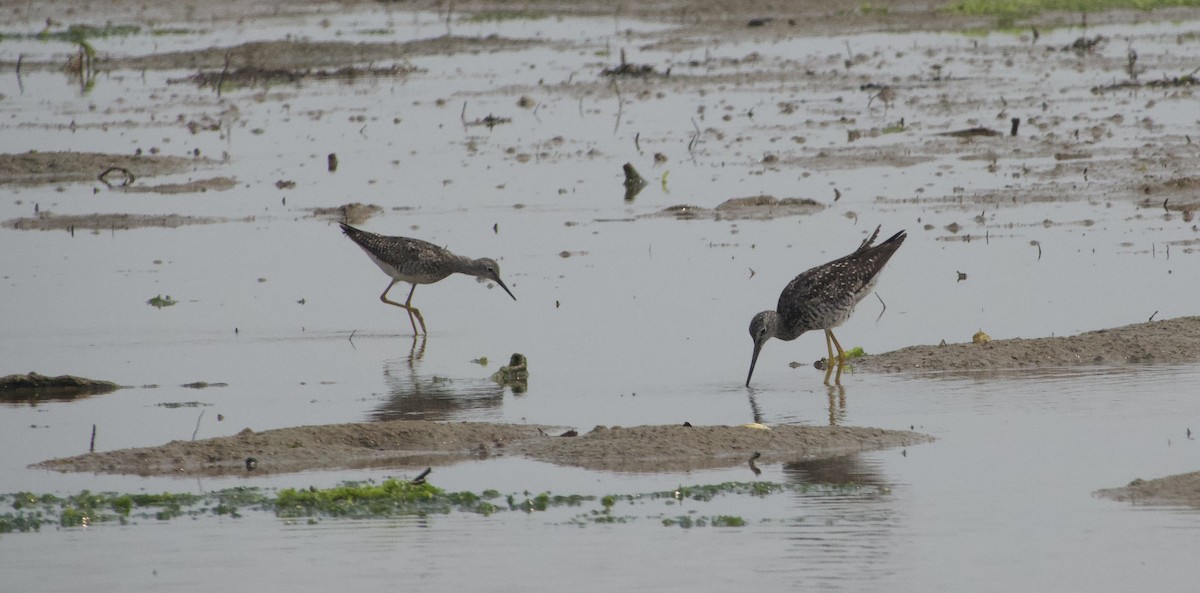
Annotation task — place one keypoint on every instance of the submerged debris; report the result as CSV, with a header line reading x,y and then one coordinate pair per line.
x,y
35,386
515,374
1187,80
971,132
1085,44
634,182
633,70
490,121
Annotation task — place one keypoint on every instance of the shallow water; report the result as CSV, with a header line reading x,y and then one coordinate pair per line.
x,y
644,322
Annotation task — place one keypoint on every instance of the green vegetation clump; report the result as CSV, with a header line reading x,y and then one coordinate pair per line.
x,y
490,16
688,522
1028,8
160,302
81,33
389,498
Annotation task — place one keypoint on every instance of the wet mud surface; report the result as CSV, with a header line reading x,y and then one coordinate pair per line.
x,y
409,443
1180,489
1166,341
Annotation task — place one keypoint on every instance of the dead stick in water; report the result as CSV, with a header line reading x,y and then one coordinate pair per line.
x,y
198,424
92,447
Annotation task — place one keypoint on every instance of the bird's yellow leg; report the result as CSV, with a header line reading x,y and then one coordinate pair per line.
x,y
407,306
417,312
829,358
841,358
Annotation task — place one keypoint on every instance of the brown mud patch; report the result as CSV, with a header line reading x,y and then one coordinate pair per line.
x,y
410,443
1168,341
40,168
48,221
190,187
1177,489
754,207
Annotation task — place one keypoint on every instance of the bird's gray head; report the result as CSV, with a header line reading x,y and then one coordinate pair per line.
x,y
488,269
762,328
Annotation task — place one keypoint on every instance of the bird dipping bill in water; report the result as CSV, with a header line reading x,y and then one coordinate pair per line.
x,y
824,298
419,262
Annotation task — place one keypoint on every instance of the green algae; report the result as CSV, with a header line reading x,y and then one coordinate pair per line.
x,y
389,498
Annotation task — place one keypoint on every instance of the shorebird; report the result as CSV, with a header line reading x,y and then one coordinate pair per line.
x,y
824,298
419,262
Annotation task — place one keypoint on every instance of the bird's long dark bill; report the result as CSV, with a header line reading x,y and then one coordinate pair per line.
x,y
501,283
753,361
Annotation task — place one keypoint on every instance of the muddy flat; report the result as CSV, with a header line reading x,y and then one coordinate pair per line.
x,y
404,443
1179,489
1167,341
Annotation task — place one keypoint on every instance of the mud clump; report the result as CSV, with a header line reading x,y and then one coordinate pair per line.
x,y
37,387
754,207
352,213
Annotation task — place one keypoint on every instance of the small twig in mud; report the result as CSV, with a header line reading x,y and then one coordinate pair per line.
x,y
198,419
884,307
463,115
20,84
92,446
620,105
224,73
351,338
695,135
126,180
1037,244
1016,123
1152,316
636,142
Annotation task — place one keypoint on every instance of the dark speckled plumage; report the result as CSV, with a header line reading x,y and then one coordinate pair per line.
x,y
824,298
419,262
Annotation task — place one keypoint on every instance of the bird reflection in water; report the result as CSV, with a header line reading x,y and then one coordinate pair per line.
x,y
412,396
837,471
837,405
